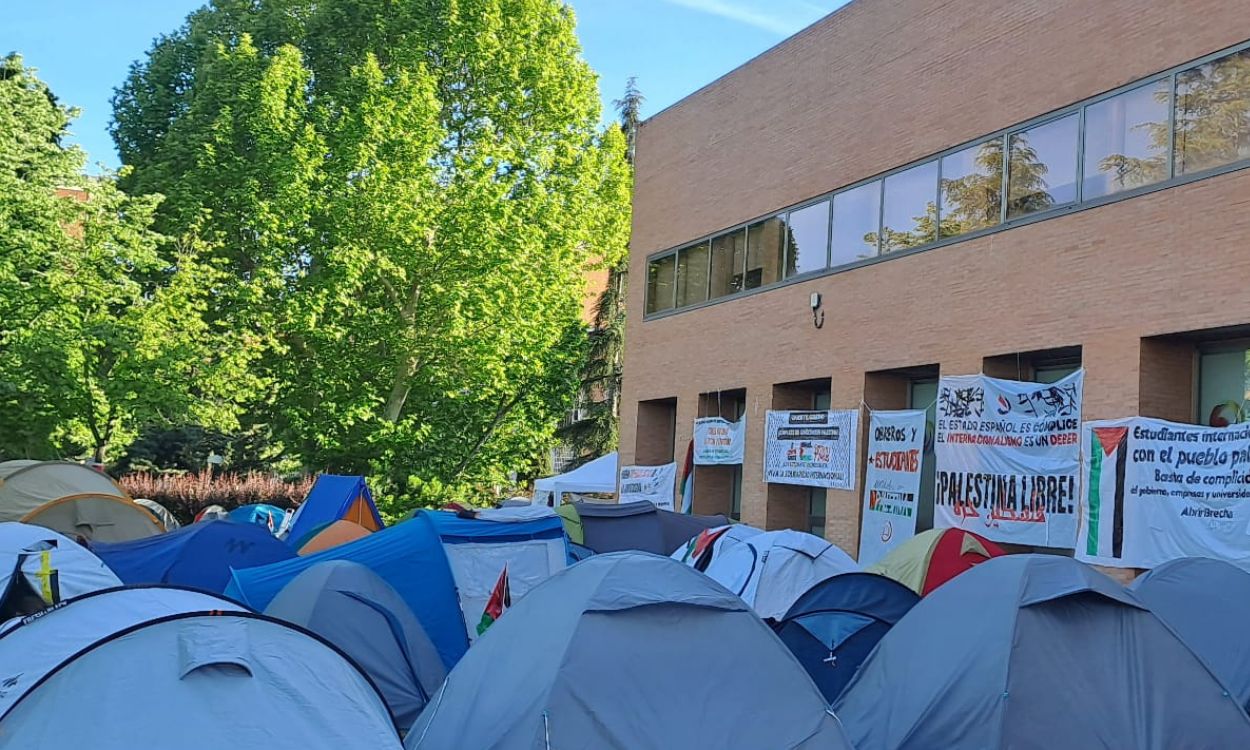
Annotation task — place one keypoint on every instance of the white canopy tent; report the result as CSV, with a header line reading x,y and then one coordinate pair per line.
x,y
598,476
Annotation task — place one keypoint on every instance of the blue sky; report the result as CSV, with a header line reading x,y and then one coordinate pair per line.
x,y
83,48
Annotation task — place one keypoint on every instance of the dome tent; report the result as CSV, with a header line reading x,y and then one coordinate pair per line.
x,y
46,568
1036,651
331,535
702,548
770,571
168,520
97,518
645,620
204,671
334,497
933,557
351,607
616,527
261,514
26,485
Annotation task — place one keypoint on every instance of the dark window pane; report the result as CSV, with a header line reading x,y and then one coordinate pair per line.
x,y
808,248
692,274
910,208
856,219
1042,167
728,251
1126,141
1213,114
660,284
765,248
972,188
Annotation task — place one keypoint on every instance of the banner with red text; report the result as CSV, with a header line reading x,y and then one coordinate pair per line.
x,y
655,484
1008,458
891,482
718,441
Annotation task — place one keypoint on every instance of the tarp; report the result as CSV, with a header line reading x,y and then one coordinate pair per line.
x,y
770,571
331,498
593,477
834,626
479,548
200,556
350,606
1207,603
933,557
409,556
572,523
615,652
1036,651
97,518
167,519
39,568
27,485
612,527
332,535
185,669
704,547
261,514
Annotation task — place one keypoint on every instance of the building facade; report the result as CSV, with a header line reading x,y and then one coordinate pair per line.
x,y
1014,187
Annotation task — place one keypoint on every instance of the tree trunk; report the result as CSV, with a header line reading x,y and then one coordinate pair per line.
x,y
401,382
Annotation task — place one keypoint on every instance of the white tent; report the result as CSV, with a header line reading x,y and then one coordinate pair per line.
x,y
770,571
598,476
35,561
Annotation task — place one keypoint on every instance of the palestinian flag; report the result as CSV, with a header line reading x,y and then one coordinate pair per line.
x,y
687,481
500,600
1107,461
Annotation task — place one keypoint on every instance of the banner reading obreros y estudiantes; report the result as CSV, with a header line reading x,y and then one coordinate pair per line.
x,y
1008,458
811,448
891,482
718,441
1156,490
651,483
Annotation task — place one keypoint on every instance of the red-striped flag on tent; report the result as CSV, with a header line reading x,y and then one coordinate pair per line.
x,y
500,600
687,481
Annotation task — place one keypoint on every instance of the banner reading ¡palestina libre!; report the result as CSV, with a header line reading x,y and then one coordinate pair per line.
x,y
1008,458
718,441
811,448
1156,490
891,482
651,483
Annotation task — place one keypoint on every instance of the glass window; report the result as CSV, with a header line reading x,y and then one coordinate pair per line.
x,y
660,284
765,250
1042,167
735,494
972,188
692,274
910,208
1126,141
923,395
1053,373
856,219
817,497
728,259
1213,114
1223,387
807,239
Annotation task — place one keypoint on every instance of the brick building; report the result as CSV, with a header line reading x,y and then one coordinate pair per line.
x,y
863,160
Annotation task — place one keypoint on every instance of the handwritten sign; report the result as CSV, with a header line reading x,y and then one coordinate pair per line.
x,y
891,482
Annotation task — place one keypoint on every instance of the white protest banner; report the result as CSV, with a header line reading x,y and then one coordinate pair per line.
x,y
1156,490
718,441
892,481
1008,457
651,483
812,448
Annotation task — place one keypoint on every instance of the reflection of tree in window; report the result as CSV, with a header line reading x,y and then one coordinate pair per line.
x,y
1126,140
1041,169
765,247
807,239
1213,114
972,188
910,208
728,251
660,284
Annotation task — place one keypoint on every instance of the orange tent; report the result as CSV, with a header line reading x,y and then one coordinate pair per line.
x,y
332,535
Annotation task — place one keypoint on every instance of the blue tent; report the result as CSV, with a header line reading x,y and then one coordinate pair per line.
x,y
261,514
834,626
200,555
351,607
334,497
408,556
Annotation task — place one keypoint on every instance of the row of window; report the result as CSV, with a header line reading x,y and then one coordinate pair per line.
x,y
1173,126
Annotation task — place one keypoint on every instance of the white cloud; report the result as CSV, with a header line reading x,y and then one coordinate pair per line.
x,y
782,18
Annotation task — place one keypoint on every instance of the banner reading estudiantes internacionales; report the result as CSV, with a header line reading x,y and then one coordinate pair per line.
x,y
1008,458
1156,491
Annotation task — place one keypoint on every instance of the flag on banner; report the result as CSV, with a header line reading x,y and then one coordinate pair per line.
x,y
1108,458
687,481
500,600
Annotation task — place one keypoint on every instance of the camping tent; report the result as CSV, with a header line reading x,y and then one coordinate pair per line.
x,y
334,497
39,568
770,571
25,486
933,557
479,548
702,548
1207,603
200,555
1036,651
348,605
593,477
615,652
834,626
205,673
261,514
332,535
409,556
613,527
98,518
169,521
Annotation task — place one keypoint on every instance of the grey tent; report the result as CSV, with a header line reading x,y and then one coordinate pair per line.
x,y
628,650
615,527
1034,652
353,608
1207,603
